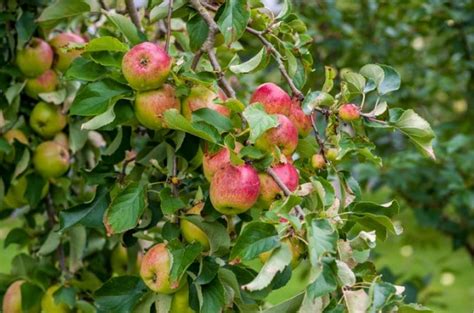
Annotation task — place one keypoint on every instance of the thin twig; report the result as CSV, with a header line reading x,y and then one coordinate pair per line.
x,y
132,11
168,25
374,119
318,138
51,222
286,191
103,5
279,59
174,169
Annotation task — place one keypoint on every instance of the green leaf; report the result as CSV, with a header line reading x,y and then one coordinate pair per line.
x,y
63,9
277,262
161,11
325,282
65,295
56,97
259,121
50,244
86,70
198,31
414,308
25,27
322,239
355,80
391,80
380,293
380,223
217,234
285,10
126,209
291,305
373,72
100,120
119,294
233,20
174,120
105,43
213,299
94,98
357,301
183,257
35,188
211,117
170,203
31,295
316,99
330,75
16,236
255,238
250,64
127,28
77,247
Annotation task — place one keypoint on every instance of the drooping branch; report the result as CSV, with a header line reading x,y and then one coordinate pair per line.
x,y
132,11
299,211
168,25
279,59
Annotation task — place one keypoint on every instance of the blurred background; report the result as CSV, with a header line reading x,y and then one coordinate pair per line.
x,y
431,44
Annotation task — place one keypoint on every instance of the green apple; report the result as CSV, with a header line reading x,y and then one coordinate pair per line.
x,y
180,301
51,159
15,196
49,305
192,232
47,120
35,58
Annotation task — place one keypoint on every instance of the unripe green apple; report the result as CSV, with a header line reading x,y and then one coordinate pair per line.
x,y
47,120
146,66
192,232
48,304
15,134
15,196
35,58
155,270
296,248
317,161
202,97
120,263
274,99
349,112
64,57
331,154
301,121
12,299
150,106
234,189
269,190
284,136
212,162
51,159
180,301
46,82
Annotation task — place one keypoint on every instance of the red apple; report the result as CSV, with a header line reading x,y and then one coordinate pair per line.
x,y
234,189
51,159
212,162
284,136
269,190
300,120
317,161
274,99
146,66
201,97
349,112
150,106
64,57
46,82
47,120
35,58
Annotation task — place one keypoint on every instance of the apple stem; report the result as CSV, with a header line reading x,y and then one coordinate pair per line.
x,y
286,191
168,25
132,11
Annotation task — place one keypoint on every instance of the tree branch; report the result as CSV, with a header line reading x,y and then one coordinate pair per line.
x,y
278,58
286,191
168,25
132,11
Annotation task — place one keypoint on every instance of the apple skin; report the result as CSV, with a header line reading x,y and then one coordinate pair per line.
x,y
49,305
51,159
269,189
46,82
34,59
234,189
317,161
349,112
15,134
212,162
15,197
12,299
47,120
180,301
201,97
284,136
296,248
331,154
274,99
192,232
150,106
62,139
301,121
146,66
64,58
155,270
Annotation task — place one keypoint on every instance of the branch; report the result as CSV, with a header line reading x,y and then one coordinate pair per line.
x,y
286,191
174,169
318,138
168,25
51,222
132,11
279,59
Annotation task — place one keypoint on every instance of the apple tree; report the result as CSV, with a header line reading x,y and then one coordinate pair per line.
x,y
153,171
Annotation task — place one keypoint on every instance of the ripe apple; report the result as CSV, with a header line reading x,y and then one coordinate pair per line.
x,y
349,112
274,99
60,43
201,97
296,248
317,161
150,106
12,299
192,232
269,189
155,270
146,66
212,162
300,120
15,196
46,82
47,120
35,58
51,159
234,189
48,304
284,136
180,301
15,134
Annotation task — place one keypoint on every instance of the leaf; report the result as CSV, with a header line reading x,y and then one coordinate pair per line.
x,y
126,27
255,238
119,294
285,10
290,305
322,239
277,262
50,244
169,203
56,97
183,257
380,293
16,236
413,308
65,295
316,99
125,210
77,247
211,117
355,80
373,72
100,120
233,20
213,299
105,43
330,75
160,11
356,301
31,295
250,64
35,188
62,9
345,274
86,70
259,121
217,234
198,31
174,120
325,282
25,27
391,80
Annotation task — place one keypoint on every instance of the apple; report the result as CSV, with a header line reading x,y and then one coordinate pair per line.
x,y
212,162
234,189
62,139
15,134
60,43
296,248
150,106
192,232
48,304
349,112
180,301
15,197
46,82
317,161
274,99
47,120
155,270
146,66
12,299
269,190
51,159
201,97
35,58
331,154
300,120
119,261
284,136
